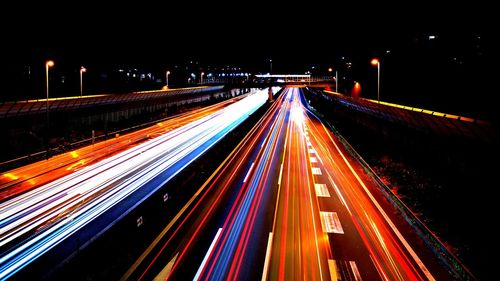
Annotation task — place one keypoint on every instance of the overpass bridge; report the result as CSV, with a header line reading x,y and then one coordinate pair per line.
x,y
424,120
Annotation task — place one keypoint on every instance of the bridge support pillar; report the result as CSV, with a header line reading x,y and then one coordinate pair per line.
x,y
270,93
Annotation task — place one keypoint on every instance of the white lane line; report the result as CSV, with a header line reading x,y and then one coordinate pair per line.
x,y
268,256
248,173
284,146
336,188
315,236
264,142
388,220
321,190
313,159
312,151
354,267
281,173
316,171
308,143
333,270
330,223
200,269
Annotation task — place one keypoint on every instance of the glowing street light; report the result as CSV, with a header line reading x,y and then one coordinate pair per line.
x,y
201,77
82,70
376,62
356,90
167,73
336,79
48,64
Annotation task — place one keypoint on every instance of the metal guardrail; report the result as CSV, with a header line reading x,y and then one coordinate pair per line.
x,y
454,265
416,109
28,107
12,163
417,118
449,259
57,150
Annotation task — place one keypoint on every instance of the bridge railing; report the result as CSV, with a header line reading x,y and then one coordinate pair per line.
x,y
17,108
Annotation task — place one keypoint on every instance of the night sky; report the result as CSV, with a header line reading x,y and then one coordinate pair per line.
x,y
160,35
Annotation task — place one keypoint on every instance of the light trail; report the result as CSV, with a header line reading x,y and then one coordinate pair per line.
x,y
34,222
31,176
291,194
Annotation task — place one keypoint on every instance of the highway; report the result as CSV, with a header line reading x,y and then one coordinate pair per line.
x,y
289,203
37,174
35,220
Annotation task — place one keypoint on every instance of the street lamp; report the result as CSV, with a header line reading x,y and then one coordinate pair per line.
x,y
167,73
376,62
201,78
336,79
49,63
271,66
82,70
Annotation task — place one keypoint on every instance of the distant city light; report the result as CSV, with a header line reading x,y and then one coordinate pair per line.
x,y
432,37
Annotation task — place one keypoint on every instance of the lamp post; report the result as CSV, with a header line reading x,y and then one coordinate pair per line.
x,y
82,70
376,62
336,81
201,78
271,66
48,64
167,73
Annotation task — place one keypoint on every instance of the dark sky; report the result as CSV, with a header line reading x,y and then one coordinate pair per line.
x,y
241,32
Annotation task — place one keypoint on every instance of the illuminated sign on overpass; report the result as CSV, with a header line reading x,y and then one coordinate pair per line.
x,y
286,77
